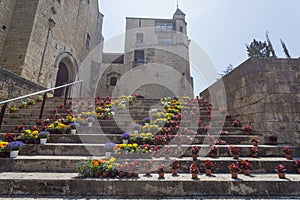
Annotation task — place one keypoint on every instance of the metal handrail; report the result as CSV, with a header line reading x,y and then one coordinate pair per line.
x,y
42,91
5,103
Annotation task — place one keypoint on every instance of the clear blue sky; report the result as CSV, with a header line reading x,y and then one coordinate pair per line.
x,y
220,27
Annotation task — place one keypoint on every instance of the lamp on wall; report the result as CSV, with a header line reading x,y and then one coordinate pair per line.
x,y
51,25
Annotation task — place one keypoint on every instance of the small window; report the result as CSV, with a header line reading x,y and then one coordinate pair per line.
x,y
164,41
139,38
140,23
113,81
181,29
87,41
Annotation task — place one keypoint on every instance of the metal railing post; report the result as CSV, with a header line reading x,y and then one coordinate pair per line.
x,y
66,95
43,105
2,113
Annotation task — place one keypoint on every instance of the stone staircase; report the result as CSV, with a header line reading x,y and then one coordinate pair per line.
x,y
50,169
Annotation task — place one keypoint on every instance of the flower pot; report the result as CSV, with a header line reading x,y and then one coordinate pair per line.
x,y
90,124
125,141
213,154
73,131
194,175
161,174
194,156
104,174
234,175
122,174
113,113
43,141
289,156
108,154
298,170
146,124
235,156
135,174
97,174
129,175
254,155
174,172
246,171
208,172
14,153
148,174
281,175
135,132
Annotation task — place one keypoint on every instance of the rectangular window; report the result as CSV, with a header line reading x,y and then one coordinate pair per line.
x,y
87,41
181,29
139,38
113,81
164,41
164,26
139,58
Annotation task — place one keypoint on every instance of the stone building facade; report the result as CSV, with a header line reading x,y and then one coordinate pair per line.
x,y
155,62
46,42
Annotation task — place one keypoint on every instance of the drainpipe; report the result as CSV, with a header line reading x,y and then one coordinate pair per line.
x,y
51,24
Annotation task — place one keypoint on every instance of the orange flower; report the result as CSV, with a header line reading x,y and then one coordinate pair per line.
x,y
96,163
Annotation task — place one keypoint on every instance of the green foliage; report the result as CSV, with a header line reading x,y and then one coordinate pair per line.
x,y
285,50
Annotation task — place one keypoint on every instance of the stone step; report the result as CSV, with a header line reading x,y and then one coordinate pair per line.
x,y
97,150
67,164
69,184
98,138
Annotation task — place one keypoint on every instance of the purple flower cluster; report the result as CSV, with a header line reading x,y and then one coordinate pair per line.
x,y
15,145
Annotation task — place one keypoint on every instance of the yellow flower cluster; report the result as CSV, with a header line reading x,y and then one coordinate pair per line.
x,y
3,145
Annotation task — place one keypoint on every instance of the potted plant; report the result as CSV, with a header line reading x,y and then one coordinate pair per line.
x,y
8,137
297,165
22,105
146,121
109,147
73,127
254,151
213,151
234,169
245,166
4,151
254,141
39,99
31,102
124,137
280,169
234,151
208,165
12,109
148,167
288,152
14,148
90,121
174,167
160,171
194,170
137,128
236,123
195,151
43,136
247,129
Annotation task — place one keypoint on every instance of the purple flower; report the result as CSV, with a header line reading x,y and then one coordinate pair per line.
x,y
125,135
146,120
109,146
15,145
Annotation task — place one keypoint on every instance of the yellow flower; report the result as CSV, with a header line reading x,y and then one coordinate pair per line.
x,y
109,167
129,145
112,160
123,146
35,133
135,145
27,131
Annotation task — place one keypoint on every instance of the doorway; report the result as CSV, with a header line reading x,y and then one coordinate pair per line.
x,y
61,79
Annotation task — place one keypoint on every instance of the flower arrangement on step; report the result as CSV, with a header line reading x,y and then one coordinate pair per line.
x,y
280,169
213,151
194,170
175,167
137,128
288,152
23,105
208,166
14,148
69,119
98,168
161,171
12,109
8,137
247,129
39,99
297,165
31,102
57,128
254,151
43,136
29,137
236,123
254,141
195,151
125,137
234,151
4,151
245,166
234,169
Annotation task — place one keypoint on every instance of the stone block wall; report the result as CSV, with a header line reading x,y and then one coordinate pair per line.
x,y
264,93
12,85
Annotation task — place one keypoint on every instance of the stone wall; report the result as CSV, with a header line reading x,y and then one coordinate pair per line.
x,y
264,93
34,50
12,85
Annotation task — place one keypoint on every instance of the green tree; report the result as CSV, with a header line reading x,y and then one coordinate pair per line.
x,y
285,50
259,49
